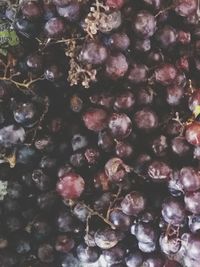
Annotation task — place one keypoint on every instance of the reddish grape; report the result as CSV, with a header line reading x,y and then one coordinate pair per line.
x,y
189,179
120,125
192,133
146,119
116,66
70,186
192,201
144,24
95,119
159,171
165,74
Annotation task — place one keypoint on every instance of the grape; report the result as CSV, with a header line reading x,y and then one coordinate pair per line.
x,y
138,73
119,125
105,141
120,220
64,243
35,62
144,24
79,141
66,222
119,41
114,255
173,211
166,36
116,169
70,186
123,150
116,4
95,119
194,223
146,119
54,27
190,179
106,238
159,146
26,114
165,74
194,100
174,95
185,8
154,261
193,247
159,171
92,156
11,134
45,253
116,66
61,2
192,202
87,254
147,247
125,101
70,12
184,37
93,53
180,146
134,259
133,203
144,232
169,246
144,97
192,133
31,10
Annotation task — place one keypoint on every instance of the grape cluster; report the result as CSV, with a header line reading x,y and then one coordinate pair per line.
x,y
100,134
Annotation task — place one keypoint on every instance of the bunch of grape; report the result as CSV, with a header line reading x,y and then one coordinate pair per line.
x,y
107,175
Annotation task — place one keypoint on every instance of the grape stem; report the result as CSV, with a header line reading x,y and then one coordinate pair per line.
x,y
114,201
95,213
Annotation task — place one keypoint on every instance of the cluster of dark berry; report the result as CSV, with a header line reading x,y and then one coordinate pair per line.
x,y
100,133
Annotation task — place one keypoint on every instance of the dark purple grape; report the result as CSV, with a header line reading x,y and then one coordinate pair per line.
x,y
26,114
124,150
92,156
105,99
95,119
106,238
144,24
35,62
55,27
46,253
116,66
133,203
87,254
189,179
70,12
166,36
134,259
138,73
173,128
144,232
115,4
159,146
154,261
142,45
147,247
144,96
114,255
64,243
165,74
66,222
155,4
31,9
125,101
194,223
53,73
192,202
61,2
146,120
155,58
173,211
169,246
79,141
120,220
196,153
70,186
106,141
81,212
93,53
159,171
42,181
116,169
102,203
120,125
180,146
185,7
119,41
174,95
